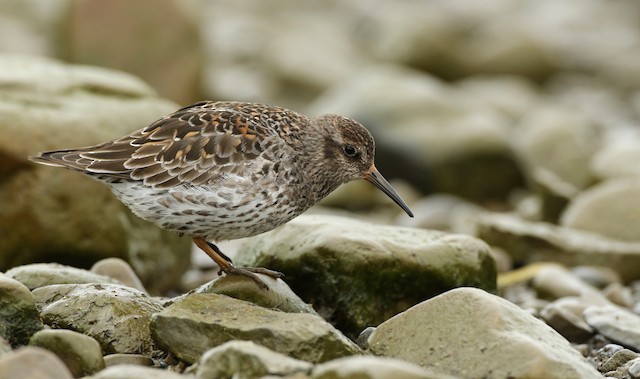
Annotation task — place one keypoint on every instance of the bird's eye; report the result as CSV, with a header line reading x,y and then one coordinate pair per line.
x,y
350,151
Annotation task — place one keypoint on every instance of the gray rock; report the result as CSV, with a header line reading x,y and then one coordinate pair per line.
x,y
616,160
127,359
358,274
119,270
89,38
619,294
19,318
597,276
528,241
118,317
367,367
32,362
617,363
608,209
192,325
616,323
135,372
37,275
279,296
560,140
66,216
5,346
634,368
247,360
81,354
469,333
363,337
554,282
565,316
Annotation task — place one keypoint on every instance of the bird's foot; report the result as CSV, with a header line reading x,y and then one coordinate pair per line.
x,y
250,272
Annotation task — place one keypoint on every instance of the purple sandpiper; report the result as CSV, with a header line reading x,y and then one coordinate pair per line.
x,y
226,170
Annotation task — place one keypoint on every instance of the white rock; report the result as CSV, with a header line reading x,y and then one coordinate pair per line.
x,y
467,332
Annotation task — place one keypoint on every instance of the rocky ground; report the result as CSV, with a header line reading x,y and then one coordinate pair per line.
x,y
512,129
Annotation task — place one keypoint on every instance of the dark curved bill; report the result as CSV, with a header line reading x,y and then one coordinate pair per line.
x,y
374,176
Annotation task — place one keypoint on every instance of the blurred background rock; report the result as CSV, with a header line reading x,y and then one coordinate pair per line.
x,y
510,105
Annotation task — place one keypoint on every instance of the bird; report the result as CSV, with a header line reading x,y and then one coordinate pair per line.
x,y
223,170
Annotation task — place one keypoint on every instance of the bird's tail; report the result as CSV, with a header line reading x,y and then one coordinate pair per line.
x,y
70,159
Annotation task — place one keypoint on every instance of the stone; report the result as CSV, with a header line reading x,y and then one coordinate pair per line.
x,y
119,270
554,282
32,362
90,38
134,372
467,332
19,318
198,322
565,316
597,276
247,360
617,360
530,241
619,294
37,275
557,139
127,359
65,216
634,368
616,160
278,296
5,346
615,323
379,270
368,367
118,317
81,354
607,208
442,212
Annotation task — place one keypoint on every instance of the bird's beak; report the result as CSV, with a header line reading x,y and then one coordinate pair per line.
x,y
374,176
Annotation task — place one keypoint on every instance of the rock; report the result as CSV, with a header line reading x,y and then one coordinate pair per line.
x,y
528,241
619,295
554,281
616,160
565,316
119,270
247,360
32,362
90,38
379,270
81,354
367,367
216,319
560,140
127,359
19,318
5,346
37,275
616,323
617,361
363,337
608,209
456,142
597,276
118,317
278,296
634,368
66,216
442,212
134,372
491,338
